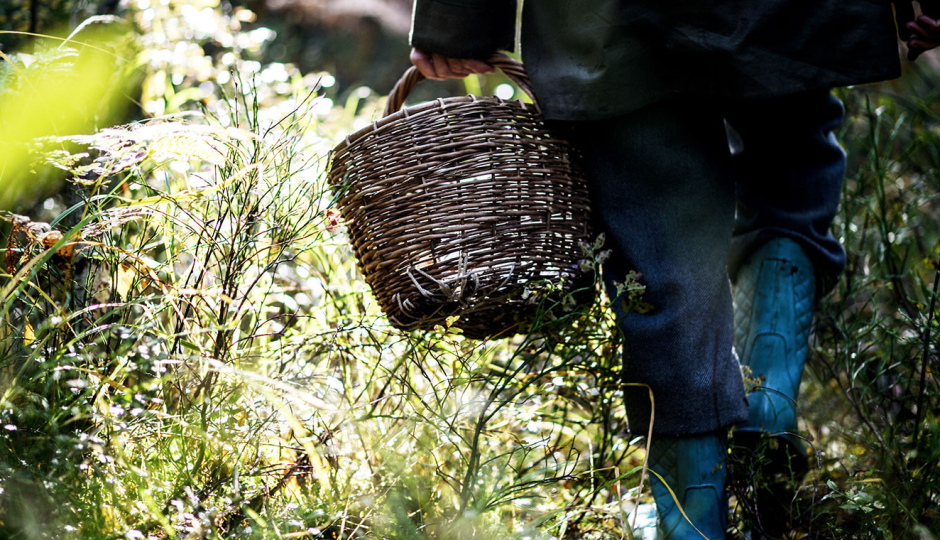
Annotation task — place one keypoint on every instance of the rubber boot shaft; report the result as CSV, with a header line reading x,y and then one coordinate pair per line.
x,y
774,297
694,469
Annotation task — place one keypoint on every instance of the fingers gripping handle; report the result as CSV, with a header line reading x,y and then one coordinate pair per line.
x,y
412,76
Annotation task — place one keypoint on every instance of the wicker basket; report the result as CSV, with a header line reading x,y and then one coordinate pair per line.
x,y
454,206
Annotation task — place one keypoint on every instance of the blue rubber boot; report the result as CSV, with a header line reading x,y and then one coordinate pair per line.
x,y
774,297
694,468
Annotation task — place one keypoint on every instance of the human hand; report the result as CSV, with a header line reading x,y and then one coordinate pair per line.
x,y
435,66
920,33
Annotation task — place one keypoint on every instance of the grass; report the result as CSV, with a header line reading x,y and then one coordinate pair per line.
x,y
216,365
187,350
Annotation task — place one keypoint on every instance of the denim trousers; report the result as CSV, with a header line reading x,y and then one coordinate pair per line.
x,y
685,208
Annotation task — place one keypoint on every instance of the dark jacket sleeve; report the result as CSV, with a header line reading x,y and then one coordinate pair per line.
x,y
463,28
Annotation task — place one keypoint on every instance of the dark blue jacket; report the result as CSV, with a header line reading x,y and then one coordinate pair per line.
x,y
592,59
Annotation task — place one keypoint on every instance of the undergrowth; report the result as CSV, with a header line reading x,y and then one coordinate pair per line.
x,y
198,356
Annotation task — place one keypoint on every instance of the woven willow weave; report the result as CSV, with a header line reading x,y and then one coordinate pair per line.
x,y
454,206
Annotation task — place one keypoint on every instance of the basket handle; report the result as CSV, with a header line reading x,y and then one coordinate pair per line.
x,y
511,68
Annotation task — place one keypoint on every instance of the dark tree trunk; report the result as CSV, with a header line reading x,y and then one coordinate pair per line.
x,y
33,16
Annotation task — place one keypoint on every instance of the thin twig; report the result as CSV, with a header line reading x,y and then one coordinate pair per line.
x,y
923,366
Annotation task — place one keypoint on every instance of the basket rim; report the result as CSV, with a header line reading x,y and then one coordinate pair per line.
x,y
424,108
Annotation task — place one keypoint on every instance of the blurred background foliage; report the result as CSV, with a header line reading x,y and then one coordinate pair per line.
x,y
187,351
66,87
44,16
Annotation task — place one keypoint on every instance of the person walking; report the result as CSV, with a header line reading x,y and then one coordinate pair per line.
x,y
649,91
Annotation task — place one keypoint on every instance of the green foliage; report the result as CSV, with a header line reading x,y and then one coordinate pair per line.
x,y
71,88
876,336
215,365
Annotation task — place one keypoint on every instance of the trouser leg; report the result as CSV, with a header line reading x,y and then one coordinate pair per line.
x,y
789,178
662,190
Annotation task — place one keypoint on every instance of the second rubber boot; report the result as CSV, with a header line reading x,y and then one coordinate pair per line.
x,y
774,295
694,469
